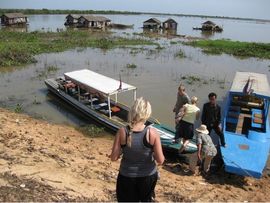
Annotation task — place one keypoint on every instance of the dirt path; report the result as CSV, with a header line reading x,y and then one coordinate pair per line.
x,y
40,161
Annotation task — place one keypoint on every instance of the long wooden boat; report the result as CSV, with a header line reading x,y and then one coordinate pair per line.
x,y
246,125
91,94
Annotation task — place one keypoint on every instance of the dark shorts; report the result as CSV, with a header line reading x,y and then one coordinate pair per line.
x,y
185,130
140,189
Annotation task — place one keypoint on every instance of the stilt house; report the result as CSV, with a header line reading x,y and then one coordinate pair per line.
x,y
72,19
152,23
91,21
170,24
14,19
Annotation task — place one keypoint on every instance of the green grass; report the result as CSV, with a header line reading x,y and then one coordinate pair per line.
x,y
91,130
20,48
235,48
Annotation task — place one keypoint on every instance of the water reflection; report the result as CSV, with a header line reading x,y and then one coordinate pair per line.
x,y
207,34
16,28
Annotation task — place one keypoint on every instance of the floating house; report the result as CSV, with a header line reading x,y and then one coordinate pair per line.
x,y
152,23
210,26
170,24
90,21
14,19
72,19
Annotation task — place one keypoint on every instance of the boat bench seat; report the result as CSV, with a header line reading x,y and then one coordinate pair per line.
x,y
234,108
232,117
232,114
115,109
257,118
93,99
100,106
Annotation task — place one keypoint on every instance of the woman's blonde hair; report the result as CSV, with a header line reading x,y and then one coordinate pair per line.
x,y
139,112
194,100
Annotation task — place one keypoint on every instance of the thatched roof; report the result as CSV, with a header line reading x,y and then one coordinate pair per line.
x,y
209,23
15,15
95,18
170,20
151,20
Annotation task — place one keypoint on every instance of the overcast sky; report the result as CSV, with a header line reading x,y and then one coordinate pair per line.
x,y
232,8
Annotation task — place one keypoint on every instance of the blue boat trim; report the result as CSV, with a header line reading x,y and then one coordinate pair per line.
x,y
246,126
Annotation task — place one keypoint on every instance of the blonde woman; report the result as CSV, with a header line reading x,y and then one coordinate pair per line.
x,y
189,114
141,148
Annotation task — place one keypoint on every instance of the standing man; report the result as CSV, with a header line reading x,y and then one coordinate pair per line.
x,y
182,99
211,117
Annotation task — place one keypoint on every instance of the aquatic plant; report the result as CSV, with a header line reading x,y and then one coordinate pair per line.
x,y
180,54
14,54
131,65
199,81
235,48
48,70
173,42
18,108
36,102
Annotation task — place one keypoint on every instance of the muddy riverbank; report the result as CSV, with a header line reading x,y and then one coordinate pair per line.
x,y
40,161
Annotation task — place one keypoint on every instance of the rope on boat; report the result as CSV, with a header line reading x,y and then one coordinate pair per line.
x,y
245,171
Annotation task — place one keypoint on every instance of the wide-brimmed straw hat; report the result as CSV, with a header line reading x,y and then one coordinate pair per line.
x,y
202,129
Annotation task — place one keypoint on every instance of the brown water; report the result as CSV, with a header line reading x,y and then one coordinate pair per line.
x,y
157,76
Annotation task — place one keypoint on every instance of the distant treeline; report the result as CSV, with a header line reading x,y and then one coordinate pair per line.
x,y
57,11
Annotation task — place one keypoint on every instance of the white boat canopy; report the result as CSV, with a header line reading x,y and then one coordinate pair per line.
x,y
92,80
256,82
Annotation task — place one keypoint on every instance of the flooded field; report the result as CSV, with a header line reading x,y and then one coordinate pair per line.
x,y
157,75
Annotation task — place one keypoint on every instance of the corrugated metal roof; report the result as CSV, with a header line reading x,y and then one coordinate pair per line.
x,y
15,15
95,18
170,20
258,83
75,16
152,20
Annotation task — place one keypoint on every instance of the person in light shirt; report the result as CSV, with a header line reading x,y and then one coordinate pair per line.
x,y
188,115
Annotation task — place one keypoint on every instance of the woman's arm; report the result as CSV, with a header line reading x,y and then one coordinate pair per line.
x,y
199,151
155,141
198,115
116,149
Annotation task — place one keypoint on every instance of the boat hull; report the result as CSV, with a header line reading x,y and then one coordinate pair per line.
x,y
248,143
166,133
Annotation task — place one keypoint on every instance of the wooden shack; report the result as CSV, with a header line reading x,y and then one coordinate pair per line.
x,y
72,19
170,24
152,23
90,21
210,26
14,19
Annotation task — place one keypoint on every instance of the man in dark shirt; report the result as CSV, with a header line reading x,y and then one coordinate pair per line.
x,y
211,117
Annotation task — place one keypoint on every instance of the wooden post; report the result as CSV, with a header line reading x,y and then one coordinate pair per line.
x,y
91,99
134,95
116,98
109,105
